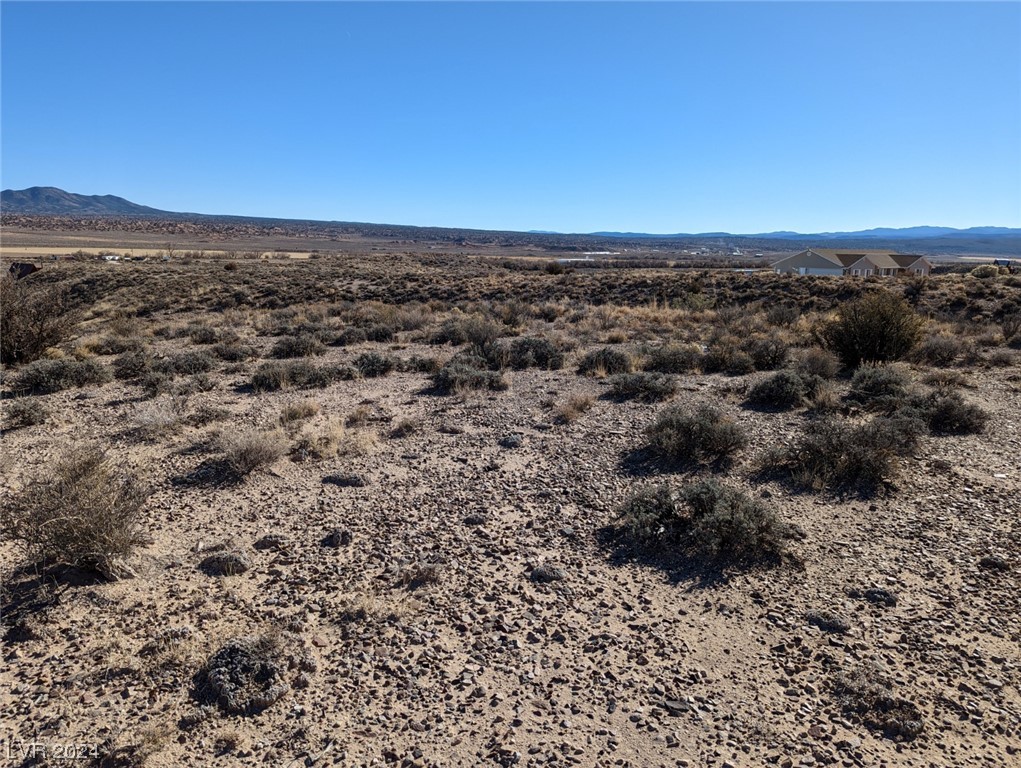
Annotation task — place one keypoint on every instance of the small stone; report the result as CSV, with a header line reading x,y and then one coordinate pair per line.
x,y
544,574
338,537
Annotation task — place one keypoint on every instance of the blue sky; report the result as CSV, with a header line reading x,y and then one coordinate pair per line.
x,y
577,117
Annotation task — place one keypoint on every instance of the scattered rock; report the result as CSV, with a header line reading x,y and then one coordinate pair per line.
x,y
227,562
544,574
512,441
994,563
347,480
338,537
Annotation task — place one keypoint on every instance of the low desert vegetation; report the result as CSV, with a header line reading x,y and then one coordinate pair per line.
x,y
43,377
701,434
571,409
707,520
24,412
85,513
877,328
644,386
673,358
34,317
783,390
605,362
246,451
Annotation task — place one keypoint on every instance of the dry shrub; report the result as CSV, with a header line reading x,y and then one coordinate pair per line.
x,y
84,514
605,362
252,449
866,694
816,361
673,358
647,387
573,407
783,390
33,317
24,412
938,350
305,345
159,419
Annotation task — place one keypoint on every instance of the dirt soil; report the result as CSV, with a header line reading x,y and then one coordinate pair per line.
x,y
445,594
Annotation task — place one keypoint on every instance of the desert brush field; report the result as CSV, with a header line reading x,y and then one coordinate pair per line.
x,y
426,509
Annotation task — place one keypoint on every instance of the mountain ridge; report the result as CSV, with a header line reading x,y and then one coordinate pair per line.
x,y
56,201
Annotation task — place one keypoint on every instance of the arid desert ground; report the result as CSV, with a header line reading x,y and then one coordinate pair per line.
x,y
416,508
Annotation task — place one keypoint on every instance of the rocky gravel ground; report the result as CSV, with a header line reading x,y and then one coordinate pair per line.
x,y
449,596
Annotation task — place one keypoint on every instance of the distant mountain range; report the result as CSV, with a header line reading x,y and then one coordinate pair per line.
x,y
879,233
54,201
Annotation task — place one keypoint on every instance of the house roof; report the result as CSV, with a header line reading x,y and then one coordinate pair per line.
x,y
882,259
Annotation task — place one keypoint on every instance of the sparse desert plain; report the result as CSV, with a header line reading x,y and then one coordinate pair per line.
x,y
388,506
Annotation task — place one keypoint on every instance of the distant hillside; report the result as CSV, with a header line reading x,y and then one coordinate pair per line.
x,y
50,200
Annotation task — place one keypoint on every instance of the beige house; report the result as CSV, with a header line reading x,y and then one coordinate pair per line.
x,y
858,263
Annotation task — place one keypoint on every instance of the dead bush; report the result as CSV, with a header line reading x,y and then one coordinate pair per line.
x,y
34,316
573,407
85,513
24,412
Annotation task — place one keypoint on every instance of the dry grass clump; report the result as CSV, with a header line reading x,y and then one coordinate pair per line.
x,y
34,317
306,409
47,376
644,386
332,440
249,450
880,327
708,521
155,420
695,435
573,407
84,514
605,362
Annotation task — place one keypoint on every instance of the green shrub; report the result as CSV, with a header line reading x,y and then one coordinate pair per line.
x,y
532,352
648,387
697,435
985,271
115,345
133,364
948,413
273,376
373,364
877,328
84,512
47,376
605,362
707,520
783,390
34,316
673,358
782,315
186,363
880,387
830,454
233,352
297,346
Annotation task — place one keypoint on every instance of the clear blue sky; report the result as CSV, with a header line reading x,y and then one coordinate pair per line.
x,y
577,117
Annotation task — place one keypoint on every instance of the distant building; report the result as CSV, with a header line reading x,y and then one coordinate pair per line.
x,y
857,263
